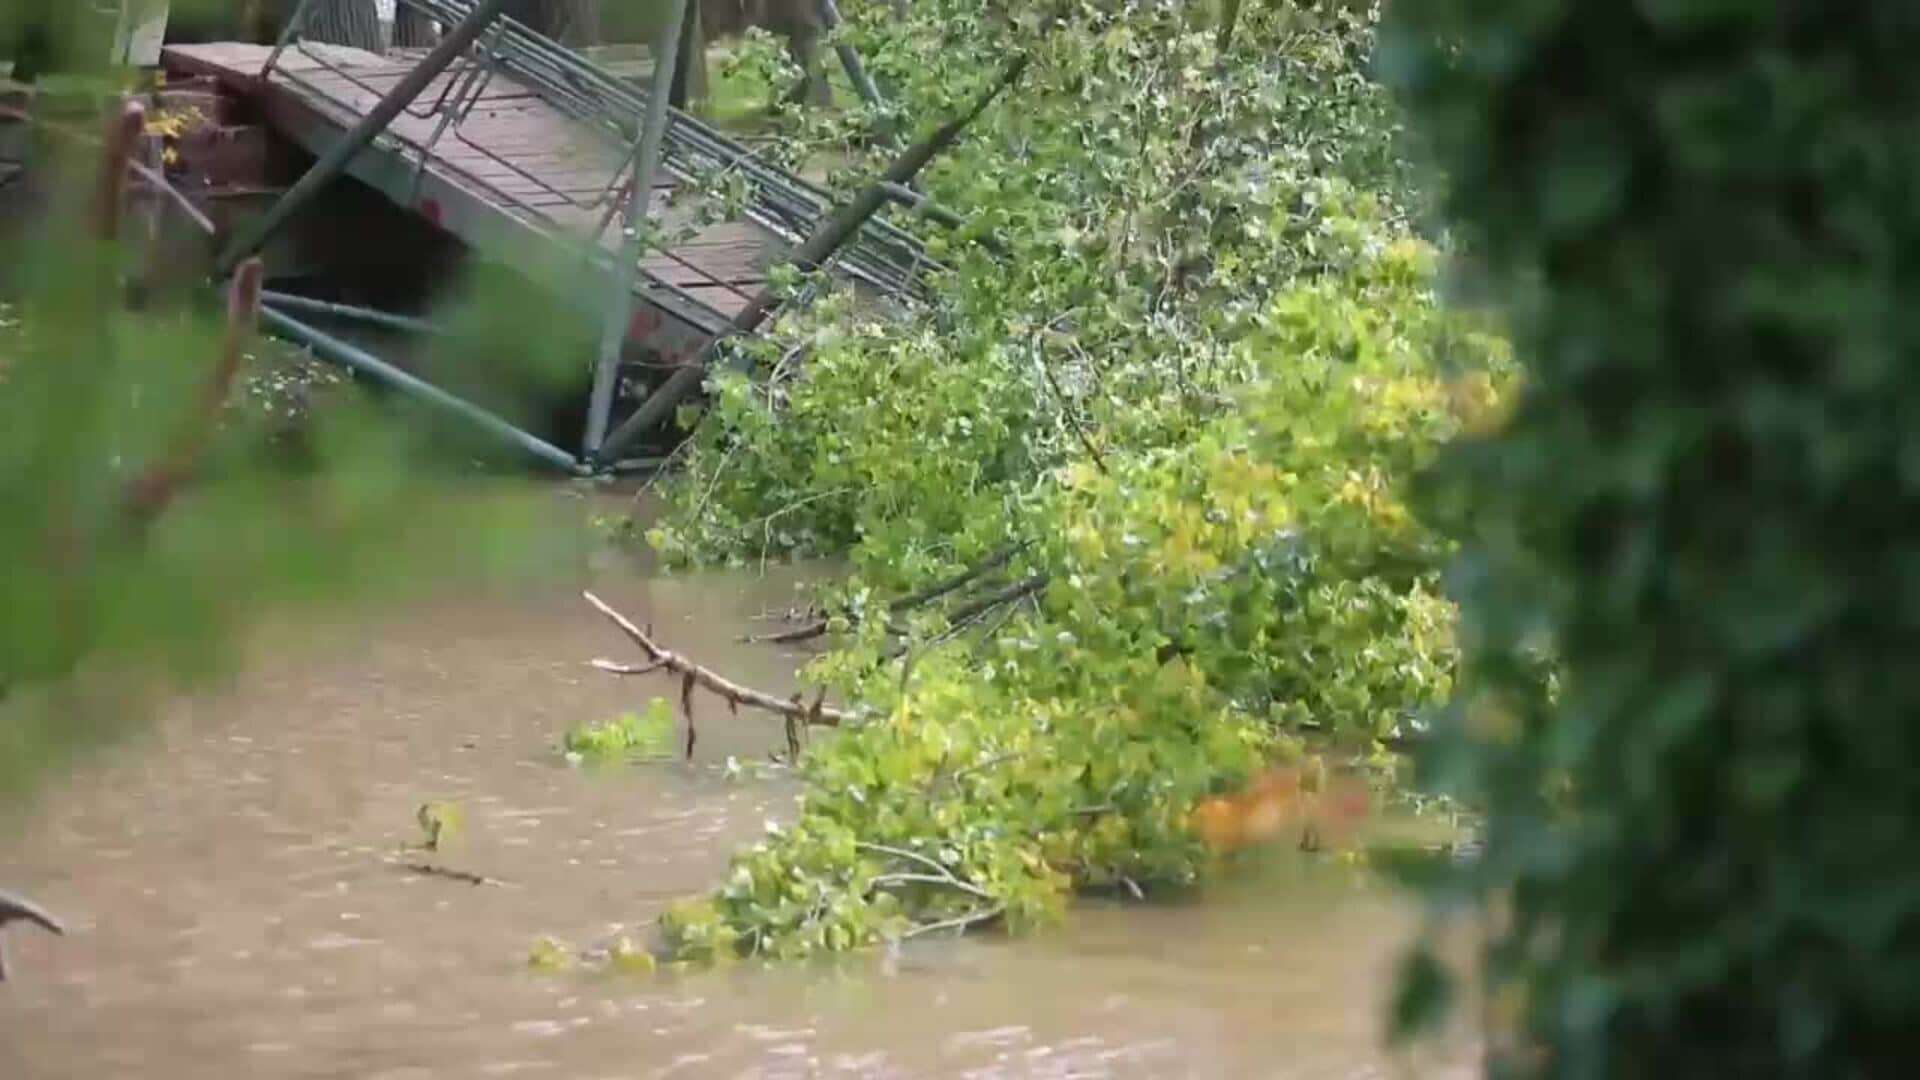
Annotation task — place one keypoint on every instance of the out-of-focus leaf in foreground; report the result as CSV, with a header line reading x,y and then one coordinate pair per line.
x,y
100,589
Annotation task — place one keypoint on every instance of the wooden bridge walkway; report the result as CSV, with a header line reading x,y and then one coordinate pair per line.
x,y
524,151
517,177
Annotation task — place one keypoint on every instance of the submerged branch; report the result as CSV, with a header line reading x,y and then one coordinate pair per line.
x,y
947,880
959,924
939,875
467,877
19,908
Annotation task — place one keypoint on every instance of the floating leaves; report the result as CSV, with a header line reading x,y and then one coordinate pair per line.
x,y
646,735
439,822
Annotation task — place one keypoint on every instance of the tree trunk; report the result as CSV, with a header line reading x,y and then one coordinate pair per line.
x,y
690,72
571,22
344,22
412,29
579,21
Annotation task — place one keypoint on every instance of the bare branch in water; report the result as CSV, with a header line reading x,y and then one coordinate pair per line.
x,y
19,908
959,924
694,675
16,908
613,668
430,870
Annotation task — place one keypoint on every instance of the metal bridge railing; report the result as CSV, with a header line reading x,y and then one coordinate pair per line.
x,y
885,257
461,88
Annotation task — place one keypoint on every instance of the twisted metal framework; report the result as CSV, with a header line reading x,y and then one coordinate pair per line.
x,y
480,46
881,256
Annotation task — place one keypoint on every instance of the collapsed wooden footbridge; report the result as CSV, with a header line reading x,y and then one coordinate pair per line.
x,y
523,150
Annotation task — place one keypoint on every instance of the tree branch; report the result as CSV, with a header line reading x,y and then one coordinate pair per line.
x,y
818,627
947,880
960,923
694,675
19,908
940,874
155,487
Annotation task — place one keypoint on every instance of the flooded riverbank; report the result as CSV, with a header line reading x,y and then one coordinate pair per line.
x,y
237,906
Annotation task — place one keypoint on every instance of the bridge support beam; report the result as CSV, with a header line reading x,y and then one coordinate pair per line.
x,y
339,352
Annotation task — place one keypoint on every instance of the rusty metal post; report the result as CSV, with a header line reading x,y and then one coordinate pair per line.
x,y
613,335
336,159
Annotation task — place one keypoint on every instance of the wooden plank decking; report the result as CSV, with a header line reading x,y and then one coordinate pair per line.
x,y
516,176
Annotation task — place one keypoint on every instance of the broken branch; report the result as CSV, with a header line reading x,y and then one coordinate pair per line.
x,y
613,668
694,675
1016,591
686,708
818,627
465,876
967,614
19,908
155,487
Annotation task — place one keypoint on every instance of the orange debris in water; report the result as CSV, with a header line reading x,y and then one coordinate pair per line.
x,y
1275,801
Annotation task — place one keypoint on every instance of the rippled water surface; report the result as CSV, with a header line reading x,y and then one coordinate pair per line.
x,y
238,909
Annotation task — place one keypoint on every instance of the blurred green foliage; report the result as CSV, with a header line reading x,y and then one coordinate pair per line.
x,y
95,390
1700,860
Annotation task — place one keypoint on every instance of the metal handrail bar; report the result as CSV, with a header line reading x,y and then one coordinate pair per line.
x,y
786,204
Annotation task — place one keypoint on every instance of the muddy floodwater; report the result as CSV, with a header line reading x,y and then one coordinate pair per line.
x,y
237,908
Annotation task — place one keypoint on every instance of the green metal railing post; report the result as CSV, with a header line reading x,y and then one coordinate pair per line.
x,y
647,162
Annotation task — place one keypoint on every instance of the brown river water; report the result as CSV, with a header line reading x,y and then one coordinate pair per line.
x,y
236,908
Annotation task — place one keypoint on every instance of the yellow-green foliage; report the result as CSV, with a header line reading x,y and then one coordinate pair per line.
x,y
1190,407
648,733
1259,581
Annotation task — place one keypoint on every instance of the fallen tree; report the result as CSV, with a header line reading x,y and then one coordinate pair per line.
x,y
1126,511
